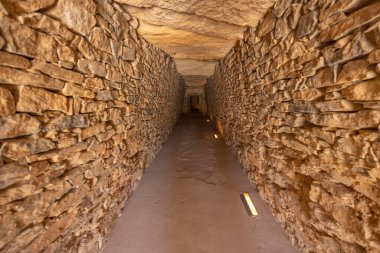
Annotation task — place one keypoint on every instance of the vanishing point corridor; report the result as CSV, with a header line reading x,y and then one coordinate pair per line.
x,y
188,201
158,126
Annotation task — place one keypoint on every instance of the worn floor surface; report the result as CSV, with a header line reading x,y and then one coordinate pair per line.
x,y
188,202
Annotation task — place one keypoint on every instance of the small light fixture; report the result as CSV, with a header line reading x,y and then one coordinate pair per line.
x,y
215,136
248,203
208,120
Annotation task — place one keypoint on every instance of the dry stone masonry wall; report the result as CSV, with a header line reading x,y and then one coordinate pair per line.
x,y
298,101
85,103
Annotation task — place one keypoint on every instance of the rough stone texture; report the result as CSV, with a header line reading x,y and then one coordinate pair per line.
x,y
196,32
7,103
300,108
78,16
80,120
238,12
33,5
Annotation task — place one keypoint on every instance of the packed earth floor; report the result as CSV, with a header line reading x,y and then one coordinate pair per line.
x,y
188,201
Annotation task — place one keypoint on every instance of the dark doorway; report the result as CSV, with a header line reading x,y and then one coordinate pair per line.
x,y
195,104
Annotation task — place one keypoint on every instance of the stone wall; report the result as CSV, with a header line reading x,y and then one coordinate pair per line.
x,y
85,104
298,101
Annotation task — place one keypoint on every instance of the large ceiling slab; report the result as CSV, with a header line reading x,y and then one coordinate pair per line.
x,y
196,33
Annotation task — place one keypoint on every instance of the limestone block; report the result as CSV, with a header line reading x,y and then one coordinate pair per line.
x,y
186,21
357,19
356,71
307,23
282,29
7,102
13,60
100,40
69,201
2,42
92,106
374,57
187,45
280,7
290,142
52,231
341,6
93,130
94,84
20,148
235,12
114,74
92,67
267,25
11,173
69,122
75,90
120,18
104,95
67,55
78,16
324,78
57,72
295,15
353,145
116,47
13,194
359,45
297,50
129,54
65,143
19,124
307,95
126,68
38,100
26,41
118,116
19,77
87,49
300,106
341,105
33,5
366,90
332,20
311,67
80,159
48,25
358,120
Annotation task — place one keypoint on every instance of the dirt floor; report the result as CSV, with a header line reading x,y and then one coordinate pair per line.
x,y
188,202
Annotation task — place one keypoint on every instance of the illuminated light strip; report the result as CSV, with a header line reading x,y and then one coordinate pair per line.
x,y
248,203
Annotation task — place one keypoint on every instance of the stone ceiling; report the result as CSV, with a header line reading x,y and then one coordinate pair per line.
x,y
196,33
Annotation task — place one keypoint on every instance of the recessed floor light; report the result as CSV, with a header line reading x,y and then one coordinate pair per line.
x,y
248,204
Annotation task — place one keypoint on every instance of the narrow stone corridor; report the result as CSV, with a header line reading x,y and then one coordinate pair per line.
x,y
188,201
91,91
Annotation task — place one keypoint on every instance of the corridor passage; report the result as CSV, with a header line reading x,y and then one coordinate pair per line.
x,y
188,201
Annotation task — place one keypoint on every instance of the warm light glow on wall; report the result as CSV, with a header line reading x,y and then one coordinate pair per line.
x,y
251,209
